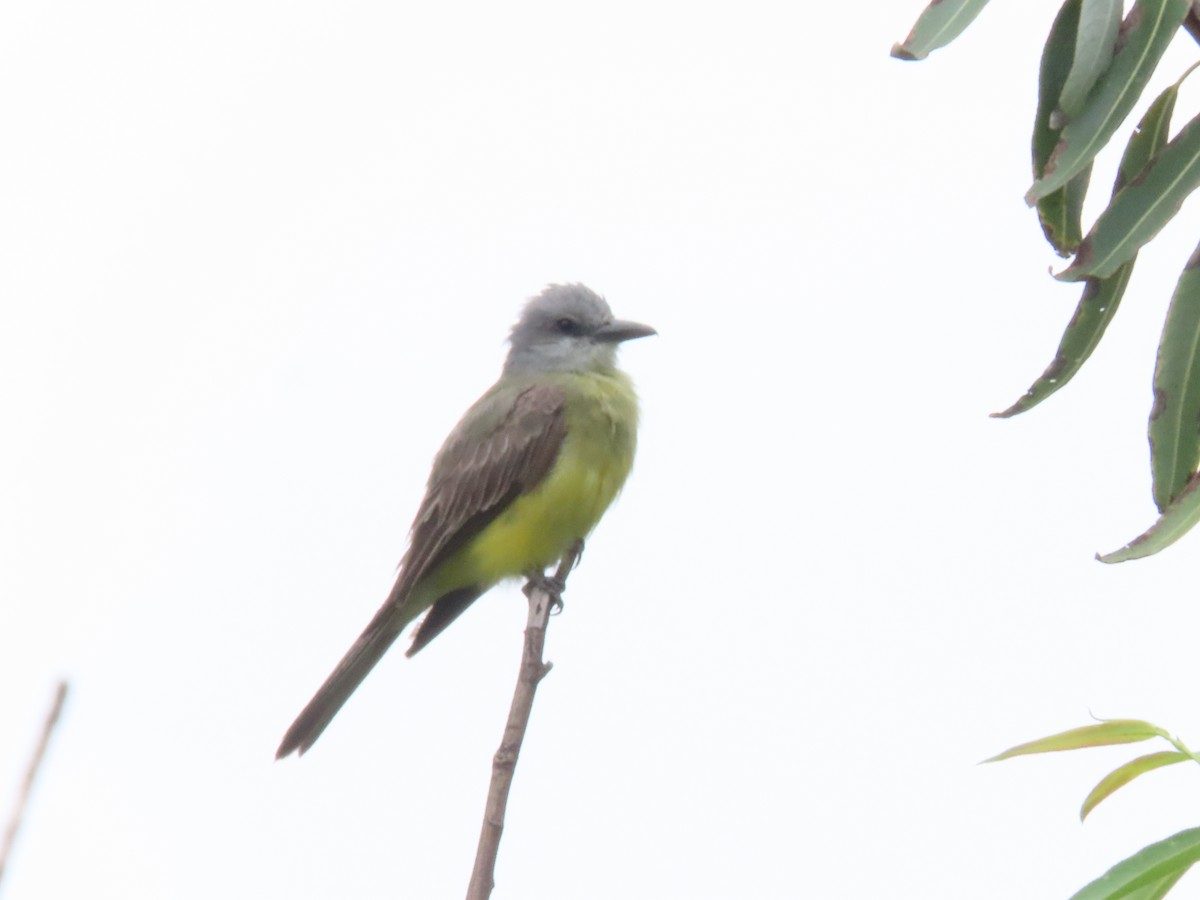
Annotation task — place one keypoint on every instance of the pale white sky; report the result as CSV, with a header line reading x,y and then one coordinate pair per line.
x,y
256,258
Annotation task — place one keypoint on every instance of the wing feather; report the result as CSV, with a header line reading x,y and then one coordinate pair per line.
x,y
491,458
475,476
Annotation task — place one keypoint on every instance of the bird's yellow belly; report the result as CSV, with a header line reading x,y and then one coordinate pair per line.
x,y
595,458
536,530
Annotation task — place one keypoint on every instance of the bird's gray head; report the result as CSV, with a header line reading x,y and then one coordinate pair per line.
x,y
568,328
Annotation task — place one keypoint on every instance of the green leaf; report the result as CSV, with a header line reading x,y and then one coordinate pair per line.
x,y
1122,775
1175,521
1140,210
1149,873
1175,419
1155,890
1100,298
1052,75
940,23
1103,734
1097,306
1144,36
1095,40
1148,138
1058,212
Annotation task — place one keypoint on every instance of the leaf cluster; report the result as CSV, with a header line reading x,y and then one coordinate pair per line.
x,y
1151,872
1096,64
1095,67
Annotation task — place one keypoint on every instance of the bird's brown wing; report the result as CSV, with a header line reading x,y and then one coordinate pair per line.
x,y
476,476
492,457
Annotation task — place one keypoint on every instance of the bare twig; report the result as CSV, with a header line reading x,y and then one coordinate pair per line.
x,y
39,753
542,599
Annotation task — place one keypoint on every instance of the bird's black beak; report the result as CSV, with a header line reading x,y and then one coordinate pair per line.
x,y
617,331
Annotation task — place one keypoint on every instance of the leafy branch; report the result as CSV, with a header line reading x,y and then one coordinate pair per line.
x,y
1151,872
1095,67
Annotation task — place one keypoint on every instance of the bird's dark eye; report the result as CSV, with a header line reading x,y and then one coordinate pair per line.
x,y
567,325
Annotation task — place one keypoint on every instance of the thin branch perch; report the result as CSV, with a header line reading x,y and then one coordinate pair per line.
x,y
35,763
543,596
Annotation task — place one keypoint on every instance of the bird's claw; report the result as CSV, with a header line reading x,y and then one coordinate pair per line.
x,y
551,585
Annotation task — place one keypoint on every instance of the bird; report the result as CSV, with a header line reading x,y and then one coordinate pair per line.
x,y
526,473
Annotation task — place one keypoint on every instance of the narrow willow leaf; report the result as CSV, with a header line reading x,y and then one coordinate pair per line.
x,y
1144,36
1052,75
1148,138
1175,521
1122,775
940,23
1059,212
1097,306
1155,869
1100,298
1096,38
1140,210
1155,890
1175,419
1103,734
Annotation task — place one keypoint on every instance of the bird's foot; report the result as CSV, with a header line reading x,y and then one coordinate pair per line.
x,y
551,585
554,585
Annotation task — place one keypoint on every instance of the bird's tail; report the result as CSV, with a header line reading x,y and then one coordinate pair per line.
x,y
393,617
375,640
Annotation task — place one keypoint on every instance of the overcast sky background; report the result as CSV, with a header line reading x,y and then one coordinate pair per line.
x,y
256,259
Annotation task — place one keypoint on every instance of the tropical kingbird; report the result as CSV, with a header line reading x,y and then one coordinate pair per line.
x,y
527,472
